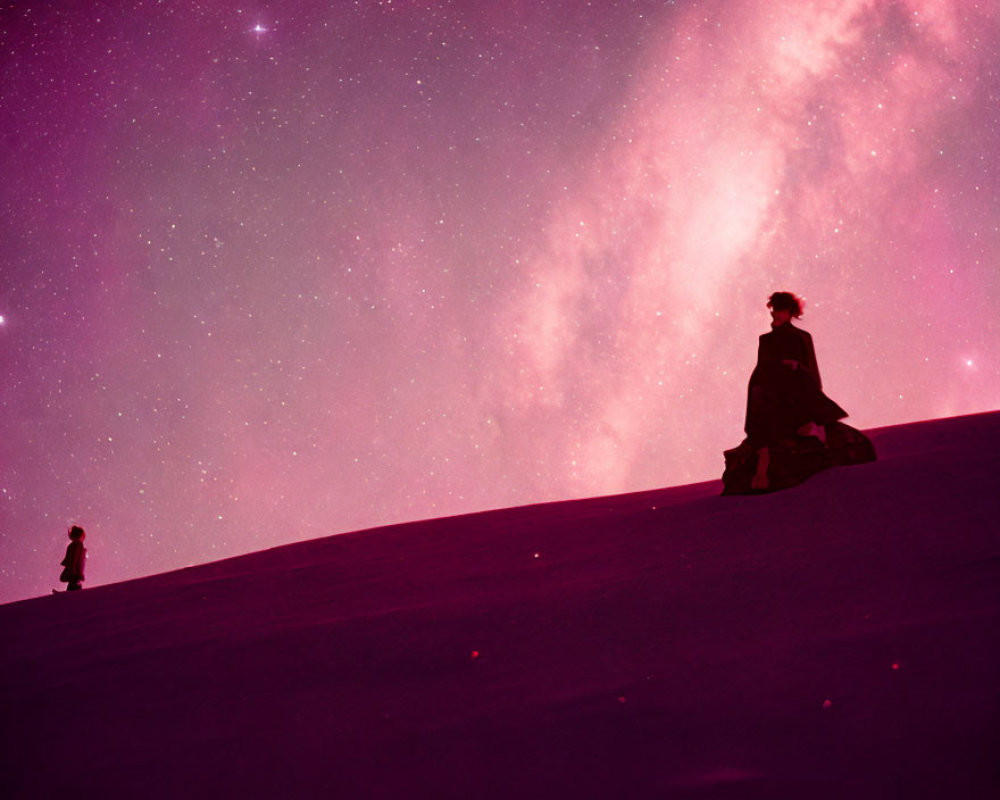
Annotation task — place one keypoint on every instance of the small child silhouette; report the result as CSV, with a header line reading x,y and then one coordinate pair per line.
x,y
72,573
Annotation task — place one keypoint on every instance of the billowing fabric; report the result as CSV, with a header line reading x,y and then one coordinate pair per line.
x,y
785,390
796,459
785,393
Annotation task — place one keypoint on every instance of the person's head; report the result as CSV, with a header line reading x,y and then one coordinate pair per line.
x,y
784,306
76,533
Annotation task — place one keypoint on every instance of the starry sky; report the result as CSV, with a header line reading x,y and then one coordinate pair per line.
x,y
272,271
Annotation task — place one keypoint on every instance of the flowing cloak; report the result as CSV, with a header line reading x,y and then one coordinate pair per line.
x,y
73,563
785,389
781,397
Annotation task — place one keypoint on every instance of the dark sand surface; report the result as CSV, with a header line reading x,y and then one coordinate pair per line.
x,y
839,639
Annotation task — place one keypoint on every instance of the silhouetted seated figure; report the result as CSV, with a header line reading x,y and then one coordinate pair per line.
x,y
73,562
793,429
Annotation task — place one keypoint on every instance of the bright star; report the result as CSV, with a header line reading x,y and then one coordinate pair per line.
x,y
259,29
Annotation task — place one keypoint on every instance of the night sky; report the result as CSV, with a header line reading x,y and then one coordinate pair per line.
x,y
279,270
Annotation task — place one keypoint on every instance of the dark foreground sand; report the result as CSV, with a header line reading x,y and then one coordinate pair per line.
x,y
836,640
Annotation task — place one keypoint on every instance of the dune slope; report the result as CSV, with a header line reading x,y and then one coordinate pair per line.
x,y
836,639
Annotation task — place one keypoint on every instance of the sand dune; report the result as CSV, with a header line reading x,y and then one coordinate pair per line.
x,y
839,639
